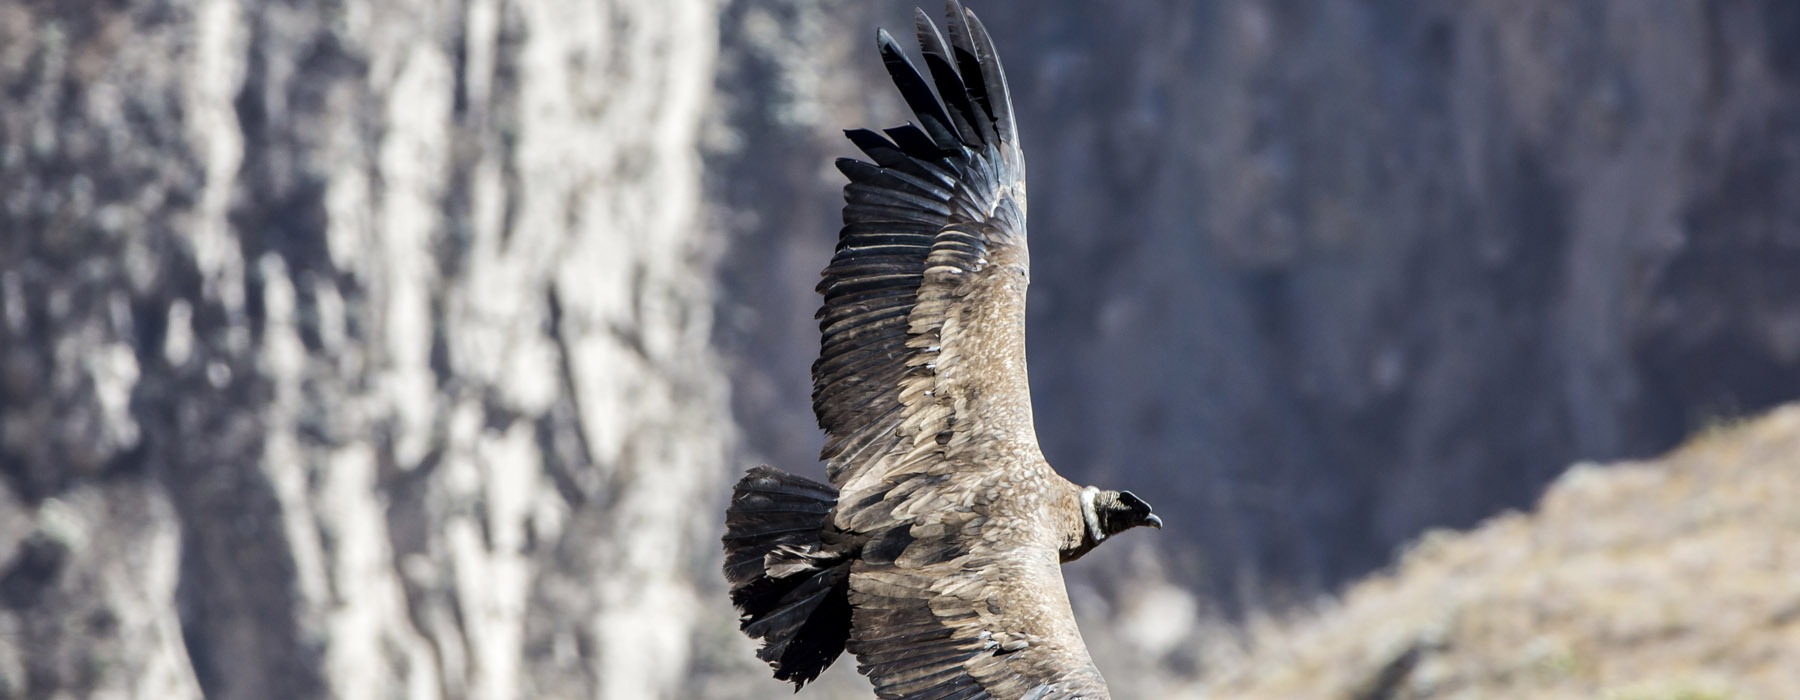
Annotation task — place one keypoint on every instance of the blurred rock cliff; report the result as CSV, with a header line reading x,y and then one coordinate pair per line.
x,y
344,342
356,349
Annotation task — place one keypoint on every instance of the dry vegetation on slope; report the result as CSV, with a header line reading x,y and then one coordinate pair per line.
x,y
1672,578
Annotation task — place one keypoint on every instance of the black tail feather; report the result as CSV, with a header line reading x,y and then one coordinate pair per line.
x,y
803,614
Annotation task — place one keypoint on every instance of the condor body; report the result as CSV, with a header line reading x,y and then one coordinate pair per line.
x,y
935,554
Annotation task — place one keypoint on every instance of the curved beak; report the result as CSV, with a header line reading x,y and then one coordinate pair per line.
x,y
1154,521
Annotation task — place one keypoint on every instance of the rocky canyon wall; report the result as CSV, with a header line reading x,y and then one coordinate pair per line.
x,y
344,342
354,349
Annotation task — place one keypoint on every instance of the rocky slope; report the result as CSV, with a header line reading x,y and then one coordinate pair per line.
x,y
1677,577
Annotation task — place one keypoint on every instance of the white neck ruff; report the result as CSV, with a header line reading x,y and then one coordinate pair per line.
x,y
1088,514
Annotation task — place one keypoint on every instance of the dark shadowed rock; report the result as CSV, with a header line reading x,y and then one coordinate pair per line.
x,y
1327,274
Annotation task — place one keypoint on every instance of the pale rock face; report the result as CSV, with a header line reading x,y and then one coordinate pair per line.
x,y
339,341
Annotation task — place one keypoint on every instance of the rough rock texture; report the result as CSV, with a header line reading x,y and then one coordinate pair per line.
x,y
1677,577
366,348
1322,275
338,341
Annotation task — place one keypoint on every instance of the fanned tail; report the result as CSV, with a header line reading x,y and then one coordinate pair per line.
x,y
792,589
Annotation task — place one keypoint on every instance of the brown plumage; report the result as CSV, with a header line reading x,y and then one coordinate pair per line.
x,y
935,556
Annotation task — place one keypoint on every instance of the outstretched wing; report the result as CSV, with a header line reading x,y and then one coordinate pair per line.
x,y
947,608
921,388
923,323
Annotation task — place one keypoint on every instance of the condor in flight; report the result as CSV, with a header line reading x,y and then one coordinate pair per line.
x,y
935,557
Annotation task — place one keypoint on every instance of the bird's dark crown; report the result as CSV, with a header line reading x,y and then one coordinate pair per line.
x,y
1111,512
1119,511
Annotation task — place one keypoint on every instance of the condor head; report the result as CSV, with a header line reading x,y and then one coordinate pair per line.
x,y
1107,513
1118,511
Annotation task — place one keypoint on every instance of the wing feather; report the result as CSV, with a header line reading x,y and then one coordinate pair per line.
x,y
915,90
922,222
976,129
952,629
